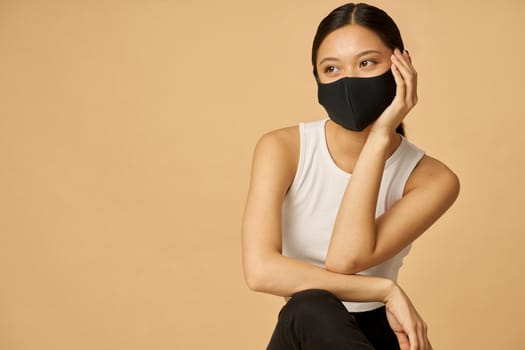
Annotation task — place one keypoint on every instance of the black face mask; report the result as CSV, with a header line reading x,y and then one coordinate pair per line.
x,y
354,103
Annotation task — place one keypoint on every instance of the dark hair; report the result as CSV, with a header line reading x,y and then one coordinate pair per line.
x,y
365,15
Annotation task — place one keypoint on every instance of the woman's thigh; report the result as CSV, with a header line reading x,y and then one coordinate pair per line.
x,y
315,319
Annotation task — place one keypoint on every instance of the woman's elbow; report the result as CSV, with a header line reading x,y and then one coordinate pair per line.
x,y
253,280
347,267
255,277
261,272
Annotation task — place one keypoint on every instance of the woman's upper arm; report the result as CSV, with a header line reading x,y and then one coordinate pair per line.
x,y
432,189
272,172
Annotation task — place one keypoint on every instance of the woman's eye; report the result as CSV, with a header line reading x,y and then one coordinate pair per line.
x,y
366,63
330,69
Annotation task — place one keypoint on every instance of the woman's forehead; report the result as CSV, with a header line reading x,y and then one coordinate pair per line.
x,y
350,41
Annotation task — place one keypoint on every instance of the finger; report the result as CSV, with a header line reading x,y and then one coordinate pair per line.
x,y
422,339
407,55
410,80
409,65
406,76
402,339
407,72
400,83
425,334
414,72
403,60
413,339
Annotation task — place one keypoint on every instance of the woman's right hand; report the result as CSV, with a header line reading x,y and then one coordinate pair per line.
x,y
407,324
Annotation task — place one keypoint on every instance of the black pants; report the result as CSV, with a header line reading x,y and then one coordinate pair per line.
x,y
316,319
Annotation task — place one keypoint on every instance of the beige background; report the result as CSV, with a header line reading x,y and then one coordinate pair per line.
x,y
126,135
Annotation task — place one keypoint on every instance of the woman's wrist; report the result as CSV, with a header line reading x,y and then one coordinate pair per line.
x,y
391,288
381,136
378,144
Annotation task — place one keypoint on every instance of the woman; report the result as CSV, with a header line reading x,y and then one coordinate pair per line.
x,y
334,204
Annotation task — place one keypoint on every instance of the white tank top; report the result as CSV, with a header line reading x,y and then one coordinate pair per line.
x,y
311,204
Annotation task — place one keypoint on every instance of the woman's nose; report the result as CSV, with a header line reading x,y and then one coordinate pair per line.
x,y
351,72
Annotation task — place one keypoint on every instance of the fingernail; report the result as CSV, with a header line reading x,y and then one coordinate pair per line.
x,y
407,52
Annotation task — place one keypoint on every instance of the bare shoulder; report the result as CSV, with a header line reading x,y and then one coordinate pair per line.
x,y
276,156
286,137
432,172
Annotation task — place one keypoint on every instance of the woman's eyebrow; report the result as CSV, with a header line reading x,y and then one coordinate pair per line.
x,y
358,55
368,52
328,59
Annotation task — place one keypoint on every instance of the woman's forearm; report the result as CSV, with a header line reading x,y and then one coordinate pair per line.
x,y
354,233
284,276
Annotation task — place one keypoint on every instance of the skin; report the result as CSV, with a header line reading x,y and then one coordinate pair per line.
x,y
359,240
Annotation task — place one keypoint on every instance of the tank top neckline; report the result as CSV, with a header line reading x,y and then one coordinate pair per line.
x,y
328,156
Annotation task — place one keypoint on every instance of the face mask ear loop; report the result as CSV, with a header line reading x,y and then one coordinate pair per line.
x,y
315,76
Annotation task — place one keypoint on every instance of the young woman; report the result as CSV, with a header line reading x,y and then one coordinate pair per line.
x,y
334,204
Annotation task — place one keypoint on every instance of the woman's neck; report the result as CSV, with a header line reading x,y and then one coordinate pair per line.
x,y
348,144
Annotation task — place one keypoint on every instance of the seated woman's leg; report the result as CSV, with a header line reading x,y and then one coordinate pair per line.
x,y
374,324
315,319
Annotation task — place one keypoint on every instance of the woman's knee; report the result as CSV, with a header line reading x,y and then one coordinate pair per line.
x,y
314,296
312,304
318,318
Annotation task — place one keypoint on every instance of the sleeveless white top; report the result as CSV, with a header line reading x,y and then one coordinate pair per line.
x,y
311,204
